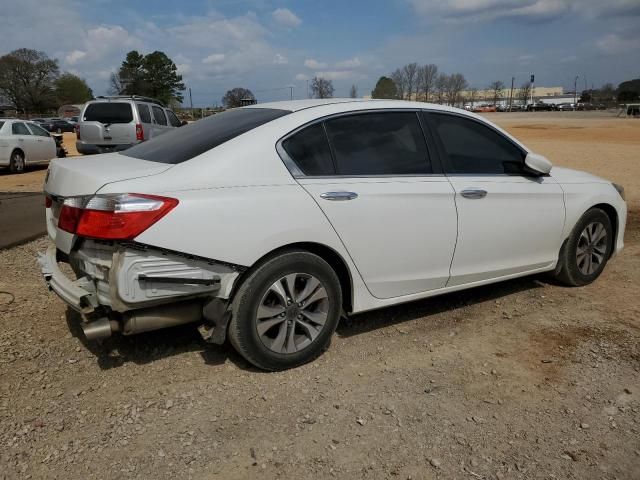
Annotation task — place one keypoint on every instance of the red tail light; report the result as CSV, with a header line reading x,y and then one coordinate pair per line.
x,y
139,132
78,131
113,217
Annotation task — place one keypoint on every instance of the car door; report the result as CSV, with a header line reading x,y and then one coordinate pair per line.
x,y
26,141
510,221
372,176
160,120
45,145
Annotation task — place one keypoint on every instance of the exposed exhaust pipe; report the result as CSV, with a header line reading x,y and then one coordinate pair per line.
x,y
98,329
144,320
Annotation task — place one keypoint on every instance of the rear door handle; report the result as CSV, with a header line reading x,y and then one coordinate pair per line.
x,y
474,193
339,196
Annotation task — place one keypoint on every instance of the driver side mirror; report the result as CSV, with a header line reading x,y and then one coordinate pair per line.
x,y
538,163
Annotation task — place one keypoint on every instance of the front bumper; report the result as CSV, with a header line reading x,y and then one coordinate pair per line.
x,y
79,294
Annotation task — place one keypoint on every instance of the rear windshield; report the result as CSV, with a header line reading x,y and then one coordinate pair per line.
x,y
108,112
184,143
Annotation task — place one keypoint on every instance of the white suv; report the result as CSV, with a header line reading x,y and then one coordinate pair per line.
x,y
112,124
270,222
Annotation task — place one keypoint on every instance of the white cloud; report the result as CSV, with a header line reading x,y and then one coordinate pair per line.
x,y
286,17
614,43
314,64
214,58
301,77
280,59
183,68
354,62
73,57
339,75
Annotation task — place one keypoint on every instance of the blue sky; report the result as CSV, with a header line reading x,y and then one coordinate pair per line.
x,y
268,45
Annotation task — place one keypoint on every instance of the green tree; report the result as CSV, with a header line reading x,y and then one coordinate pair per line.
x,y
233,98
321,87
385,88
153,75
629,91
71,89
161,77
26,79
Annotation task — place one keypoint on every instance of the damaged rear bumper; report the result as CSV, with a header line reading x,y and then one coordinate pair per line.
x,y
133,288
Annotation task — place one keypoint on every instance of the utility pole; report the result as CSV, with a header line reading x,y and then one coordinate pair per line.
x,y
575,90
191,102
291,88
513,79
308,88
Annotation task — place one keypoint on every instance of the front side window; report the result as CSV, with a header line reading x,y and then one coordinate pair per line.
x,y
310,151
173,120
108,112
158,114
36,130
380,143
1,125
143,113
19,129
473,148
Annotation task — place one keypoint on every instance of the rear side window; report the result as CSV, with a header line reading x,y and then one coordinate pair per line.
x,y
143,112
1,125
173,120
389,143
108,112
19,129
182,144
474,148
158,114
310,151
36,130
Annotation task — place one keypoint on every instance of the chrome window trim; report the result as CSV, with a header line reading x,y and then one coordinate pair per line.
x,y
298,174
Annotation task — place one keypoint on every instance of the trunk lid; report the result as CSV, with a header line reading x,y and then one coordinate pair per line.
x,y
70,177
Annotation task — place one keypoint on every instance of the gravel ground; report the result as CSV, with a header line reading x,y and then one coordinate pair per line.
x,y
520,380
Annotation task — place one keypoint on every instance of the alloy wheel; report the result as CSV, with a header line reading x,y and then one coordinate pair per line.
x,y
292,313
592,248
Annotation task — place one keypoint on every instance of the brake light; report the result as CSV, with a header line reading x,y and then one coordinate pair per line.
x,y
139,132
113,216
78,131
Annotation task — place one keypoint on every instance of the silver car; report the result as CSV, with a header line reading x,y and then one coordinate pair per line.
x,y
111,124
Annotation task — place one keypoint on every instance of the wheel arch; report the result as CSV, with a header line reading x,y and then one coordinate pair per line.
x,y
18,149
328,254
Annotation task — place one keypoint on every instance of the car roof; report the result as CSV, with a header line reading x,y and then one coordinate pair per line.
x,y
349,104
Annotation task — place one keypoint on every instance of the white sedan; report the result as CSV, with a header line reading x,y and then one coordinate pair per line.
x,y
268,223
24,143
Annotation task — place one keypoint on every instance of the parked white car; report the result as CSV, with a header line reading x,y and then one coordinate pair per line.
x,y
24,143
269,222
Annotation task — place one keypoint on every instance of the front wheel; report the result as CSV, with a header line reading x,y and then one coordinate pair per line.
x,y
286,311
587,249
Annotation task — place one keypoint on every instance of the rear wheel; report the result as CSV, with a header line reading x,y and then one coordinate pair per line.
x,y
17,163
286,311
587,249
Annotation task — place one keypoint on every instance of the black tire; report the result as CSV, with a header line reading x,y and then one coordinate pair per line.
x,y
17,162
243,332
568,270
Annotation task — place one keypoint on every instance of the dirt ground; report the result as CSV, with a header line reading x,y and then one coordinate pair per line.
x,y
520,380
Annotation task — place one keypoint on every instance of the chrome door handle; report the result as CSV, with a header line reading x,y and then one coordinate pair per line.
x,y
473,193
339,196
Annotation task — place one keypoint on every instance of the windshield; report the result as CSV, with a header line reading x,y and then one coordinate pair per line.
x,y
184,143
108,112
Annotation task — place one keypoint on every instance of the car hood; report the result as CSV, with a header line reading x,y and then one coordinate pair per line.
x,y
68,177
568,175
